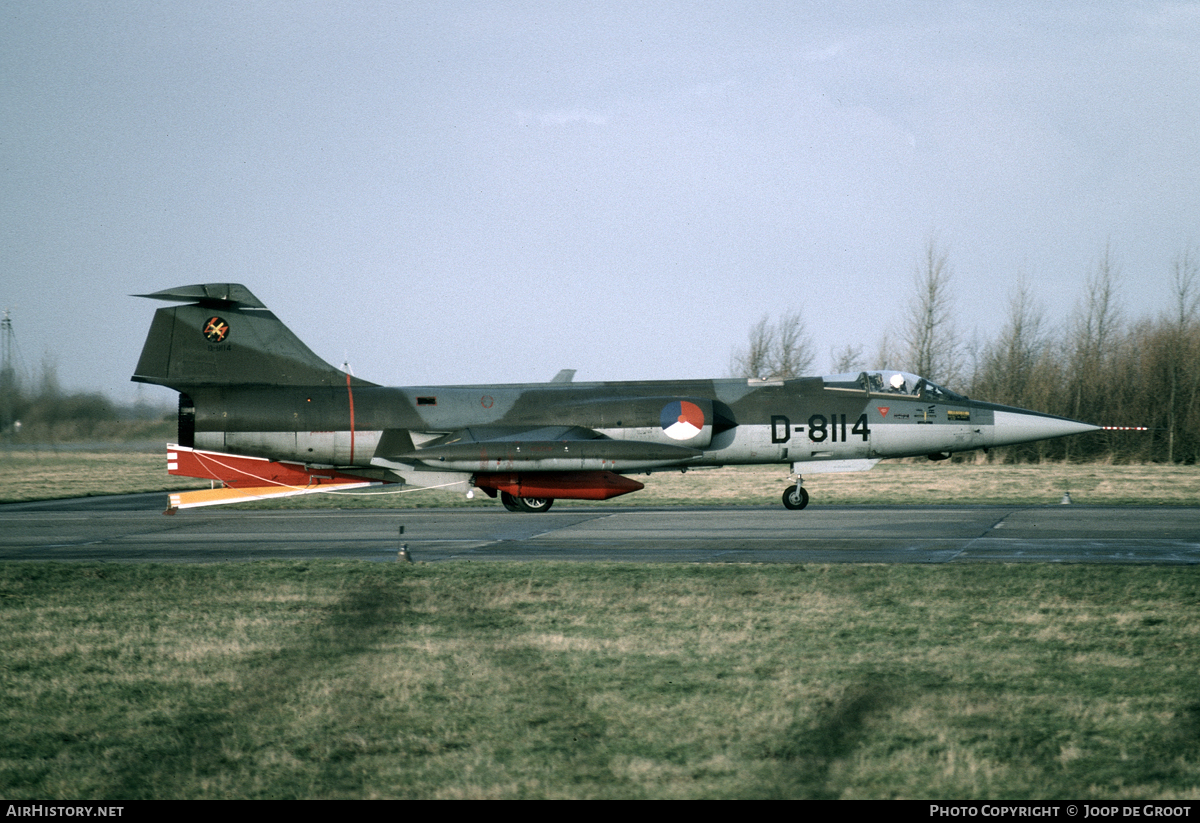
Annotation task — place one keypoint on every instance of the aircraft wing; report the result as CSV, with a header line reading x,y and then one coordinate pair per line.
x,y
538,449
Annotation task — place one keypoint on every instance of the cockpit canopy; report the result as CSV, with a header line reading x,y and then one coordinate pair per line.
x,y
886,381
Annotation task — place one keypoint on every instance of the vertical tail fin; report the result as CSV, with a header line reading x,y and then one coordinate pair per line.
x,y
226,337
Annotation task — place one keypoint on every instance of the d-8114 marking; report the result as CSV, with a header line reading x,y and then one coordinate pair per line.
x,y
820,428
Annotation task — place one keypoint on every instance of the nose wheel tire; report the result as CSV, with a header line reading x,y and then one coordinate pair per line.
x,y
796,497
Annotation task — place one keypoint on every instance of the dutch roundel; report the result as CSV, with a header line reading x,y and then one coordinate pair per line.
x,y
682,420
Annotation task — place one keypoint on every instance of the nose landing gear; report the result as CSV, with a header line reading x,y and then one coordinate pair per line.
x,y
795,497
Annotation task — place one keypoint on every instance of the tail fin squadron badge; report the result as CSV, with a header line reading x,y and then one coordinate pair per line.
x,y
215,330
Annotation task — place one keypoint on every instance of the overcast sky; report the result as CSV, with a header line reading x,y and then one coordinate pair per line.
x,y
460,192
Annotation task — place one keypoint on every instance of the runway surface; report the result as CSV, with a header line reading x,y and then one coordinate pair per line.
x,y
133,528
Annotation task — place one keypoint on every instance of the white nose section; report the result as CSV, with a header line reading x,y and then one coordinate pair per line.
x,y
1025,427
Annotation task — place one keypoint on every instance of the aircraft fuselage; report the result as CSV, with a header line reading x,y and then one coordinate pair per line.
x,y
742,422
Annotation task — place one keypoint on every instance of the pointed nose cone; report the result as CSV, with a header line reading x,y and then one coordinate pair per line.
x,y
1014,426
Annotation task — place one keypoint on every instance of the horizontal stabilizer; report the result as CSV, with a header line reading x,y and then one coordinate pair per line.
x,y
251,478
229,294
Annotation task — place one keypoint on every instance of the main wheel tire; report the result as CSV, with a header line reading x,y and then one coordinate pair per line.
x,y
535,504
796,497
510,502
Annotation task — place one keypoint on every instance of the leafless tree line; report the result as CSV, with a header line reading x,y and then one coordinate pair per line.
x,y
1099,366
1104,368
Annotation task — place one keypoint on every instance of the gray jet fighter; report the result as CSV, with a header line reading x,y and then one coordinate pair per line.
x,y
260,412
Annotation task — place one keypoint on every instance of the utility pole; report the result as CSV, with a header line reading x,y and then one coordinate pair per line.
x,y
8,377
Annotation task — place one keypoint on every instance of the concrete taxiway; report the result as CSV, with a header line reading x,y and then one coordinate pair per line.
x,y
133,528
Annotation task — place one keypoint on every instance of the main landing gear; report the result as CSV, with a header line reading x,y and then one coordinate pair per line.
x,y
795,497
526,504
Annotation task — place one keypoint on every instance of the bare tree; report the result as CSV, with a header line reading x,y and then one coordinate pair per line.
x,y
848,359
793,353
1094,338
782,350
886,356
1183,373
755,359
1019,367
934,348
1013,359
1185,287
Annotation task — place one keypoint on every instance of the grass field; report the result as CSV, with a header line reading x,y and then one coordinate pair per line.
x,y
30,475
458,680
50,474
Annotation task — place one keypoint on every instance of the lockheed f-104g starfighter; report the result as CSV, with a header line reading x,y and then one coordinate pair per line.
x,y
263,414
